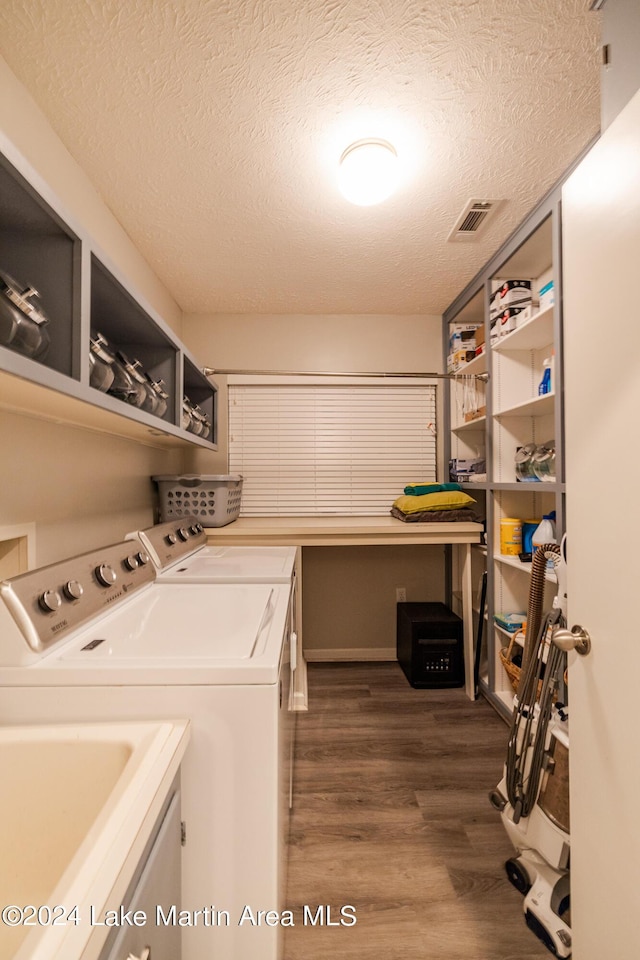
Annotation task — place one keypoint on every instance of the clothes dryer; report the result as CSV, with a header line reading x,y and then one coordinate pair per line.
x,y
181,553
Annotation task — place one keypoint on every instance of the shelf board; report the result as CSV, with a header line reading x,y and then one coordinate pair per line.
x,y
65,401
537,332
468,486
478,424
509,636
541,487
540,406
475,366
523,567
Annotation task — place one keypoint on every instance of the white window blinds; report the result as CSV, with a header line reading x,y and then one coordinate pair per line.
x,y
331,448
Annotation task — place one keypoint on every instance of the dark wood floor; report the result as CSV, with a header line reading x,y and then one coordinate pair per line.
x,y
391,815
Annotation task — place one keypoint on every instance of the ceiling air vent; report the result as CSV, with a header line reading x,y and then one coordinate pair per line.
x,y
473,219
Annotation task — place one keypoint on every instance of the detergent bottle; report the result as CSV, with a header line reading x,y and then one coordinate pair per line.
x,y
545,533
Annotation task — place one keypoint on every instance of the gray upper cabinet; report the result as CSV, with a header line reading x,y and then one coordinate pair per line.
x,y
77,342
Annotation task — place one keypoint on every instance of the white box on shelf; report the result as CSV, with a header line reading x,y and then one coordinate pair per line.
x,y
462,340
547,295
512,293
455,328
458,359
507,321
527,313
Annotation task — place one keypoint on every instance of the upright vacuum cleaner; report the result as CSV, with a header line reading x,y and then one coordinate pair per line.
x,y
533,795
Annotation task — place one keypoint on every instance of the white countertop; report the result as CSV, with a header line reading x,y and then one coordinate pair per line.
x,y
340,531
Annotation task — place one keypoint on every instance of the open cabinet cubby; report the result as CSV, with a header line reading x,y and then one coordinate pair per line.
x,y
200,392
39,251
82,295
130,331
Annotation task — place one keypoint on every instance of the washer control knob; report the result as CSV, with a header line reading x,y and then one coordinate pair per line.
x,y
193,530
106,575
73,590
132,562
171,539
49,601
142,558
183,533
199,528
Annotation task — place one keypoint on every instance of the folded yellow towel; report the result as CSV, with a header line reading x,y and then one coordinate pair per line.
x,y
443,500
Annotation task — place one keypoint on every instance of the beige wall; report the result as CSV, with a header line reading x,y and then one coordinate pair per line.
x,y
349,596
342,344
355,342
349,601
81,489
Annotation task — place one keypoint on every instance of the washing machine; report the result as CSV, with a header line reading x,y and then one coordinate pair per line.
x,y
181,553
95,638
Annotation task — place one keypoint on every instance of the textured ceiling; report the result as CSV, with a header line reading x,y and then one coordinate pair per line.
x,y
212,129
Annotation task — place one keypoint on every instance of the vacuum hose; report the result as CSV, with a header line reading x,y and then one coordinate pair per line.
x,y
534,613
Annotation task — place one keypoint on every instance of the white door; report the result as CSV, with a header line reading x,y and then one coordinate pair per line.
x,y
601,248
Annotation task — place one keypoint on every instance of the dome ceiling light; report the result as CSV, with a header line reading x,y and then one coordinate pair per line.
x,y
368,172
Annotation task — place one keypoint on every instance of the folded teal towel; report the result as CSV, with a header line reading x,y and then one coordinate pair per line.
x,y
419,489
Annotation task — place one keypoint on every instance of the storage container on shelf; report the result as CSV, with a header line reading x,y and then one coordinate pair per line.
x,y
544,462
214,499
545,533
524,463
529,527
546,384
510,536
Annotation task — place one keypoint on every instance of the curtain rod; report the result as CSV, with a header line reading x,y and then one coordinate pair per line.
x,y
210,371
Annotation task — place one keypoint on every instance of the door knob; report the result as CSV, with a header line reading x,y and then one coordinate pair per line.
x,y
575,639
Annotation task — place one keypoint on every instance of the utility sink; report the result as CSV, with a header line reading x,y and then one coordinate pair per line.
x,y
74,802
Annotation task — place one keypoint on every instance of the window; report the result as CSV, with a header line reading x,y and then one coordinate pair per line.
x,y
332,448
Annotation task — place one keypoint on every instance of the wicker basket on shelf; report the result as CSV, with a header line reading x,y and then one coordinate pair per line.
x,y
512,670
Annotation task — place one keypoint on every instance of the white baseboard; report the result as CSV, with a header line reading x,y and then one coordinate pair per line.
x,y
350,653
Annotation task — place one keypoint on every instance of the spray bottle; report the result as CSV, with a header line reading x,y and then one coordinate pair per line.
x,y
546,384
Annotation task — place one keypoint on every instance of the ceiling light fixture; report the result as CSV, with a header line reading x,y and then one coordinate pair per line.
x,y
368,172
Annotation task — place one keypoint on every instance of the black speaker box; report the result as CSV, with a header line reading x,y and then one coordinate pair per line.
x,y
429,643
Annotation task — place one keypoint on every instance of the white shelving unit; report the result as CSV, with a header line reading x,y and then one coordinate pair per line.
x,y
516,414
